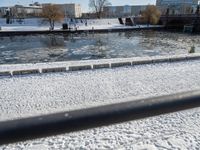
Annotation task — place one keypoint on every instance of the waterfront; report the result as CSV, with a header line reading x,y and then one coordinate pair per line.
x,y
26,96
51,48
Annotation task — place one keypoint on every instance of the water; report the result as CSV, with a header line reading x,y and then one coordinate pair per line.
x,y
49,48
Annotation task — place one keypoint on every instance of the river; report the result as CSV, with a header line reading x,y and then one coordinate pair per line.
x,y
51,48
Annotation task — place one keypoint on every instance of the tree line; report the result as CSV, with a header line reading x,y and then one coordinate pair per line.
x,y
52,13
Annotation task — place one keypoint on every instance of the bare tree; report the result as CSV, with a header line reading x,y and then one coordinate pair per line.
x,y
52,14
151,14
187,9
14,12
22,13
98,5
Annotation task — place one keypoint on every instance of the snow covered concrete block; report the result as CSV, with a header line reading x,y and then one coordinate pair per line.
x,y
100,66
5,73
160,60
177,58
120,64
142,62
25,72
53,70
78,68
193,56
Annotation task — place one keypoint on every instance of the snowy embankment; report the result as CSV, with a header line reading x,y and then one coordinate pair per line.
x,y
38,25
31,95
105,63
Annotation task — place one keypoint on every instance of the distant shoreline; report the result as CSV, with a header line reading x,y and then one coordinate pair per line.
x,y
15,33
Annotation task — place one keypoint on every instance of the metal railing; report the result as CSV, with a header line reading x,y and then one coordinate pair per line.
x,y
66,122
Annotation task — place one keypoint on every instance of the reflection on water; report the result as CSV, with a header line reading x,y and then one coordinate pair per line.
x,y
53,41
48,48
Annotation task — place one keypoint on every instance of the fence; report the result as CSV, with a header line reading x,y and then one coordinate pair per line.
x,y
66,122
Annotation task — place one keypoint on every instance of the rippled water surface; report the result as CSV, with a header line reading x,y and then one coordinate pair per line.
x,y
48,48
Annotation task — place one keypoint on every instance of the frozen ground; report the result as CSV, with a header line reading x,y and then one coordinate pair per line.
x,y
12,67
34,95
81,27
36,24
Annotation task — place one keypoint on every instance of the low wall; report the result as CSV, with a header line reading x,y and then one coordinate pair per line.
x,y
100,64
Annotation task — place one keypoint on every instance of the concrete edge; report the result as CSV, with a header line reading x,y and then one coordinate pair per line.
x,y
25,72
53,70
5,73
120,64
79,68
103,65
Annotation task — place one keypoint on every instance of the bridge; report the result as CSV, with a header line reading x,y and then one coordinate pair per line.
x,y
179,21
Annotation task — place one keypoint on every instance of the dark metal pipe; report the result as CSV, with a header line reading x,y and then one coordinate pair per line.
x,y
54,124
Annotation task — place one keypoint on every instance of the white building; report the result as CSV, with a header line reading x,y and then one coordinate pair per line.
x,y
123,11
3,11
177,6
21,11
176,2
27,10
70,10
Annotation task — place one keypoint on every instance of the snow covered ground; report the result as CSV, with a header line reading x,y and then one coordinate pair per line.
x,y
82,27
36,24
12,67
41,94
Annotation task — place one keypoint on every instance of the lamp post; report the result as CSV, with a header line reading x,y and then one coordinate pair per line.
x,y
8,16
167,15
196,23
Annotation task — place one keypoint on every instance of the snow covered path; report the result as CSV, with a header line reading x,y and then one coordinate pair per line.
x,y
34,95
91,27
35,24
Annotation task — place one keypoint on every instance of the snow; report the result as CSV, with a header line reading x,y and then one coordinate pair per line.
x,y
40,66
12,67
41,94
28,25
37,25
95,27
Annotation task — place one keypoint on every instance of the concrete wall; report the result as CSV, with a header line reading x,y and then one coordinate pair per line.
x,y
101,64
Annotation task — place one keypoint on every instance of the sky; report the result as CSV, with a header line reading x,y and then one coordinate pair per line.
x,y
84,3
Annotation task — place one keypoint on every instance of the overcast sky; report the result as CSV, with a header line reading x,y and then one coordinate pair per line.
x,y
84,3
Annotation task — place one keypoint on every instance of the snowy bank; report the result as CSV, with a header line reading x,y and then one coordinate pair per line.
x,y
91,64
49,93
92,24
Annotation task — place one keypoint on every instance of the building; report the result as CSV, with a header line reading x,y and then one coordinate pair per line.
x,y
19,11
89,15
26,11
177,6
176,2
70,10
123,11
34,10
3,11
